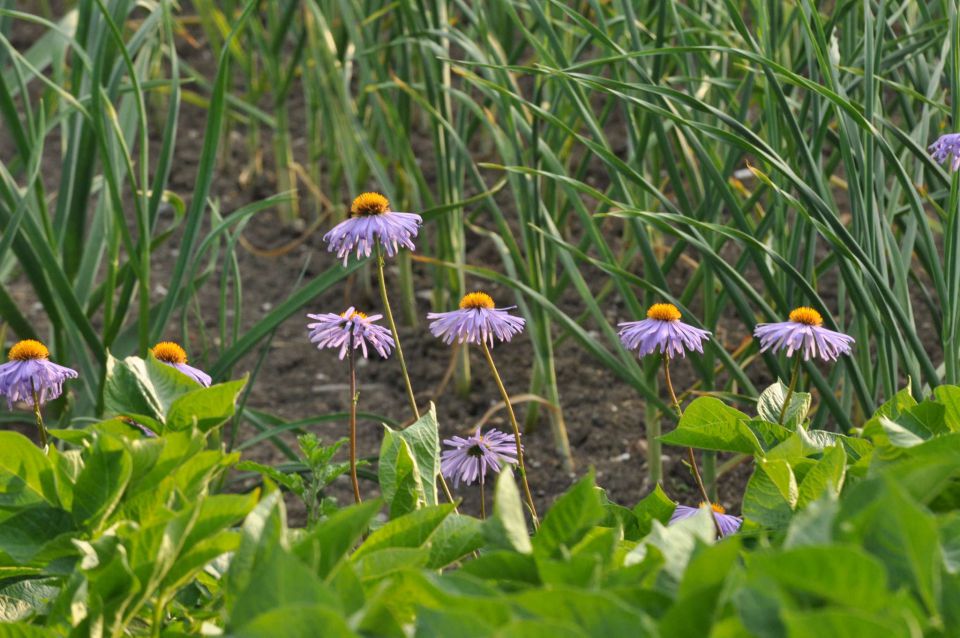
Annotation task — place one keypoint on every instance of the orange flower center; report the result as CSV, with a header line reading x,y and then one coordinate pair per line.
x,y
663,312
28,349
476,300
169,352
369,204
716,507
807,316
355,313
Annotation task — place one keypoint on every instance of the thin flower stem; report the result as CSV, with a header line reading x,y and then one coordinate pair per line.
x,y
393,329
38,416
353,422
691,457
516,434
793,385
483,503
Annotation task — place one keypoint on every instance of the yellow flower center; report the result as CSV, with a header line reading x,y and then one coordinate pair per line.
x,y
28,349
369,204
355,313
807,316
663,312
716,507
169,352
476,300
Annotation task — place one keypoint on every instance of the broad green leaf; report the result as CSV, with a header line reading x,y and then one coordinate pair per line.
x,y
399,475
504,567
824,478
782,476
507,528
655,506
763,500
456,537
843,623
595,613
26,475
423,440
302,620
770,405
100,485
677,542
205,408
330,541
411,530
143,386
570,517
897,435
949,396
25,532
24,599
839,574
710,424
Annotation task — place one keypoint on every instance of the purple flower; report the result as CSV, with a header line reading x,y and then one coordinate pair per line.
x,y
333,331
663,330
947,147
371,221
471,456
175,356
476,321
727,523
805,332
29,370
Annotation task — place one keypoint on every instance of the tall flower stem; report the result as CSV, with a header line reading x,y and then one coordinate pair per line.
x,y
38,416
483,501
516,434
690,454
393,328
793,386
353,422
388,313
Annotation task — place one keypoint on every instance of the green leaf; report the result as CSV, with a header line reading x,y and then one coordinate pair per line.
x,y
840,574
456,537
411,530
423,439
22,600
205,408
764,501
298,621
328,543
770,405
655,506
28,530
710,424
100,485
596,613
26,475
143,386
949,396
824,478
399,476
507,528
573,514
781,474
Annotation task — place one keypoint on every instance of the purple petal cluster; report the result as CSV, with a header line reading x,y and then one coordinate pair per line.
x,y
947,147
803,333
476,321
371,222
727,523
331,330
196,374
30,370
469,458
662,330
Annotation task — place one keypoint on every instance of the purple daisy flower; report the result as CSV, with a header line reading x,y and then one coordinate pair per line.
x,y
663,330
333,331
476,321
804,332
470,457
727,523
947,147
371,221
30,370
175,356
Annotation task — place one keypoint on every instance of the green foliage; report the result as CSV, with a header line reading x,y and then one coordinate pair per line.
x,y
848,534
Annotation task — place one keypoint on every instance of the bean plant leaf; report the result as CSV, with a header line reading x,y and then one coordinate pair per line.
x,y
771,401
710,424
